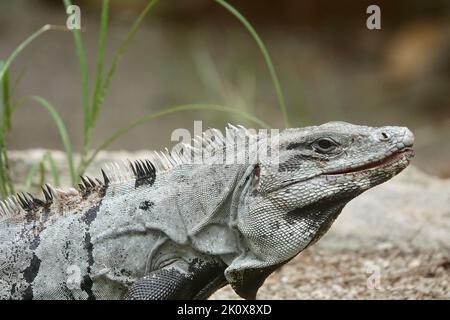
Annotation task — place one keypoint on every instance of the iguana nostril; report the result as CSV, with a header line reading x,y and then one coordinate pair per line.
x,y
384,136
408,138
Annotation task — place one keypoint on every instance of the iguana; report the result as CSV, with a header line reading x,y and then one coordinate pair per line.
x,y
168,228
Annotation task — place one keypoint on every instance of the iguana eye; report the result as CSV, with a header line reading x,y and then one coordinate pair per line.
x,y
324,145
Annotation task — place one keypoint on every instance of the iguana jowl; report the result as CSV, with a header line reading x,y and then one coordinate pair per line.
x,y
169,229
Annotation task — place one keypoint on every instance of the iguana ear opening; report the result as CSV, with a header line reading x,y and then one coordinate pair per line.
x,y
256,179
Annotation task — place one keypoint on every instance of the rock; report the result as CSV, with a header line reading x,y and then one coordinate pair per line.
x,y
412,210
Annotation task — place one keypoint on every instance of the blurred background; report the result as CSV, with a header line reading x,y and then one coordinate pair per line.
x,y
331,67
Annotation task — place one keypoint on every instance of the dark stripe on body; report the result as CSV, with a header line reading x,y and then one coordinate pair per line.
x,y
29,274
88,218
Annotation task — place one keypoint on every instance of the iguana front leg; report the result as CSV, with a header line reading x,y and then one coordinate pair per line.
x,y
180,280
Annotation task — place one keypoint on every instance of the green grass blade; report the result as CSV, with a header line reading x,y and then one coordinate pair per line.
x,y
9,181
3,190
6,184
62,132
3,172
6,172
167,111
22,46
30,175
96,100
53,168
6,102
208,72
41,174
111,71
124,45
3,169
265,54
79,48
17,82
5,181
40,166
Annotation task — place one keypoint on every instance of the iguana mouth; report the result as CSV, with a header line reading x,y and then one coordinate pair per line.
x,y
406,153
403,154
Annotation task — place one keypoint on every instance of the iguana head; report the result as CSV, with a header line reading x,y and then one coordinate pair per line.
x,y
292,201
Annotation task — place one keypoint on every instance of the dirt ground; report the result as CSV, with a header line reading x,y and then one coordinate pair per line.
x,y
325,274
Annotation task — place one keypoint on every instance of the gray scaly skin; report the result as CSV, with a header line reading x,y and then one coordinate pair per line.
x,y
170,229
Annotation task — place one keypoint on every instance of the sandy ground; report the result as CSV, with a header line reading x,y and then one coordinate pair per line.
x,y
381,274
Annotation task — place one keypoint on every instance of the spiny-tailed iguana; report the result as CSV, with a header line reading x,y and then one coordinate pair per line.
x,y
167,228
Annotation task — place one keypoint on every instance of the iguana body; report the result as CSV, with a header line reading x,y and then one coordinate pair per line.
x,y
168,228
